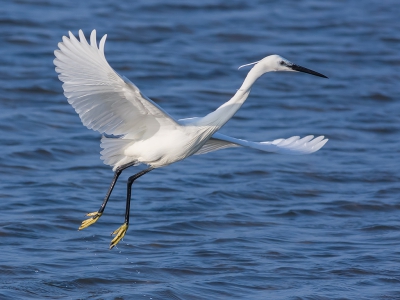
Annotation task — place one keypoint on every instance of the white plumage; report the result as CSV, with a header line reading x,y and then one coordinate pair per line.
x,y
143,132
111,104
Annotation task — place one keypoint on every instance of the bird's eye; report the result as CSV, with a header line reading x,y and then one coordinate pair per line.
x,y
282,63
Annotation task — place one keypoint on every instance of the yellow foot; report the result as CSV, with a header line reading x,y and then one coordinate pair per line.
x,y
120,232
94,217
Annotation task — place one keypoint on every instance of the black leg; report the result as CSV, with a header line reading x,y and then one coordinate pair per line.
x,y
120,232
113,182
97,214
129,191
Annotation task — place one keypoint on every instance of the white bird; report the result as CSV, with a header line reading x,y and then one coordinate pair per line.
x,y
145,133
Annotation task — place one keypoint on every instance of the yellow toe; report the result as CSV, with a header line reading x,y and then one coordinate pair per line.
x,y
119,235
92,214
94,217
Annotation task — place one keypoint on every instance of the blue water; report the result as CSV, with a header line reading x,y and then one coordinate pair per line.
x,y
234,224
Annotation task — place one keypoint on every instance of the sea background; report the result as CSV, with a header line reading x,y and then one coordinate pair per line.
x,y
234,224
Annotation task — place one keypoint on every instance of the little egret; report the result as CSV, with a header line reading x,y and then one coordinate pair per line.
x,y
145,133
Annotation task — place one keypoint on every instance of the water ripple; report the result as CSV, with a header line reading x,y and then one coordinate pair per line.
x,y
235,224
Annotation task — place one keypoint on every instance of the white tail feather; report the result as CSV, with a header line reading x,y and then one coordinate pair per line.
x,y
113,151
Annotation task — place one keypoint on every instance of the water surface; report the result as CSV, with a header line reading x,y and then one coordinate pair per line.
x,y
234,224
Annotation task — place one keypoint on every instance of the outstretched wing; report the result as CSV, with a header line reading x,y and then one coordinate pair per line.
x,y
293,145
105,101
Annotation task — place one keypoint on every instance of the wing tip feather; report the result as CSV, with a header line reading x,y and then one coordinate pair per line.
x,y
102,43
306,145
93,41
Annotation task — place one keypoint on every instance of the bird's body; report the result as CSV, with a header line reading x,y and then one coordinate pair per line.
x,y
142,131
167,146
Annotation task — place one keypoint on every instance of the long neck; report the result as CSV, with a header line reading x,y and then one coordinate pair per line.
x,y
225,112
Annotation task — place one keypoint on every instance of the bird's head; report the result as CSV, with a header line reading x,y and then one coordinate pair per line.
x,y
278,63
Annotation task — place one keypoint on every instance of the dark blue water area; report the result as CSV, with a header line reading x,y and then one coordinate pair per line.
x,y
233,224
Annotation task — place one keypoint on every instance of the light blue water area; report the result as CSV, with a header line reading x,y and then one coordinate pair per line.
x,y
234,224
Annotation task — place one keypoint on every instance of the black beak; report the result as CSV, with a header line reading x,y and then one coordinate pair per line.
x,y
305,70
